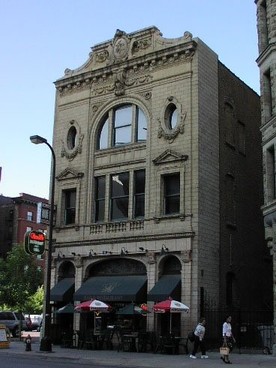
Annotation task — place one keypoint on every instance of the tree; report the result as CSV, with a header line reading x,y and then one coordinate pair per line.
x,y
20,278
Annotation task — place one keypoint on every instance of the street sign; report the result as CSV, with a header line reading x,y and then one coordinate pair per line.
x,y
34,242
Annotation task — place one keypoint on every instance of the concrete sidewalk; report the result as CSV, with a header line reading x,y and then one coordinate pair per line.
x,y
141,360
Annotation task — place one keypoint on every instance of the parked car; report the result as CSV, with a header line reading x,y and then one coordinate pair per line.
x,y
12,321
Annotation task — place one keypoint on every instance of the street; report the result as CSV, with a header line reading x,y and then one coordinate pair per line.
x,y
43,361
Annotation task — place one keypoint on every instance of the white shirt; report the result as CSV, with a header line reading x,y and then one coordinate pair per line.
x,y
227,329
200,331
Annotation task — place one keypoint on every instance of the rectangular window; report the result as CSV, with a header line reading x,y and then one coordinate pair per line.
x,y
141,126
270,173
119,196
171,194
139,194
99,198
122,125
69,206
267,95
29,216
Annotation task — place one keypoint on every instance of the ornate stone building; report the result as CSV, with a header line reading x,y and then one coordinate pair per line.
x,y
154,180
266,25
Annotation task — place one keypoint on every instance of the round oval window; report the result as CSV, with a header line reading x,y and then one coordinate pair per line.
x,y
71,138
171,116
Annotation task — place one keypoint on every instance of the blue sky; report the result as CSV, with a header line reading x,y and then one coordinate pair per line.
x,y
41,38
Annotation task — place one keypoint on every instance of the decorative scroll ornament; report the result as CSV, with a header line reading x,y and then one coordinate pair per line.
x,y
170,135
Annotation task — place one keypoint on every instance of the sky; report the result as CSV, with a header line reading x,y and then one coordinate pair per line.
x,y
41,38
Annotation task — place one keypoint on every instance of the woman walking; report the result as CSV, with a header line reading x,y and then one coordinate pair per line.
x,y
228,338
199,340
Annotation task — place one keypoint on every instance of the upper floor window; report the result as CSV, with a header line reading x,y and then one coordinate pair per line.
x,y
139,194
270,174
69,198
99,198
171,185
126,196
71,137
122,125
29,216
119,198
171,116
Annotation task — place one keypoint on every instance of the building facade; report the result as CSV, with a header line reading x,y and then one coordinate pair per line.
x,y
154,173
18,215
266,25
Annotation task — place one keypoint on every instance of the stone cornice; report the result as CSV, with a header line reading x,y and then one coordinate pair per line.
x,y
133,64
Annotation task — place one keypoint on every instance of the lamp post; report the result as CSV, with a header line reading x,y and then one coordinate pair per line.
x,y
46,343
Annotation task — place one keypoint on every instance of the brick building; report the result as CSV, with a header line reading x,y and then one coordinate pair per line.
x,y
158,180
18,215
266,15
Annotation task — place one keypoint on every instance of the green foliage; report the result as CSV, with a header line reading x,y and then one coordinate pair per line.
x,y
20,280
34,304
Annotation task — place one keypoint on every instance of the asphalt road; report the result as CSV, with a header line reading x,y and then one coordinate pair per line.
x,y
16,361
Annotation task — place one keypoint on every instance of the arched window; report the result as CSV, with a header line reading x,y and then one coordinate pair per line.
x,y
122,125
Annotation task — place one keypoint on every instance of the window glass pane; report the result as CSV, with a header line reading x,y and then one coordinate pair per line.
x,y
119,208
141,126
122,135
103,141
100,205
139,206
71,138
120,185
29,216
100,198
172,194
70,206
139,193
119,196
173,118
123,116
122,125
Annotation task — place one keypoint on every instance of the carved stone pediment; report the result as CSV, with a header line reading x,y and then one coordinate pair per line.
x,y
169,156
69,174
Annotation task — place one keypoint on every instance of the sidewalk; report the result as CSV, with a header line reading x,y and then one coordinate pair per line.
x,y
141,360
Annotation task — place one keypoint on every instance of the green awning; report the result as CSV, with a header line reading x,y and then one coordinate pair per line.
x,y
113,288
63,291
167,286
67,309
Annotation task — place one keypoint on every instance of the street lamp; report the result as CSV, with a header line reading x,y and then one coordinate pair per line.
x,y
45,342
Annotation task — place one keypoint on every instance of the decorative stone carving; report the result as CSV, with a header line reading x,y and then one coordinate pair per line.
x,y
70,154
119,83
151,257
69,174
164,130
141,45
169,156
170,135
78,261
186,256
120,46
